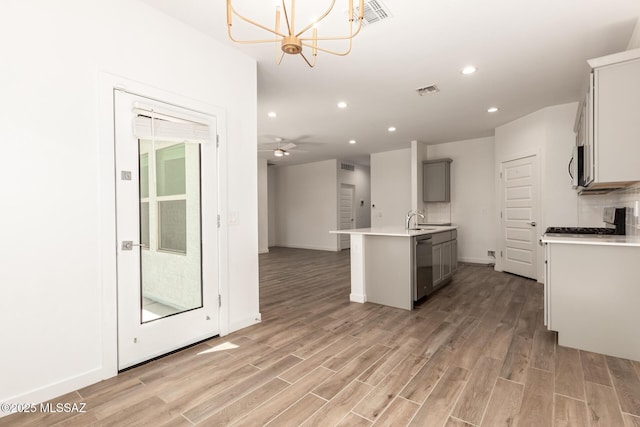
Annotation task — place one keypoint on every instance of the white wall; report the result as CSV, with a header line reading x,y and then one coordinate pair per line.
x,y
390,187
547,133
272,173
634,41
263,206
307,205
559,200
473,203
418,155
361,179
58,271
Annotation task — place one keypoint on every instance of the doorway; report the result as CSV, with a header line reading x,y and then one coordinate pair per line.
x,y
519,210
347,213
167,233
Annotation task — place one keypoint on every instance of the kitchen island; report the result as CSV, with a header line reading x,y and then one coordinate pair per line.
x,y
382,263
592,289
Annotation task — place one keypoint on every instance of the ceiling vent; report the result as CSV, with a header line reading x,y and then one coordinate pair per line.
x,y
427,90
347,167
374,11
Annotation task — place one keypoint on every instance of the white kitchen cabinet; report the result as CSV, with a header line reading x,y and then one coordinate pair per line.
x,y
607,123
617,124
584,138
590,298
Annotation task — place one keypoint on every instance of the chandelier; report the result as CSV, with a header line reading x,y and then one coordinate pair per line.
x,y
293,42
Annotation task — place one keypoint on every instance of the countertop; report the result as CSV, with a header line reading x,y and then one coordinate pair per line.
x,y
395,231
574,239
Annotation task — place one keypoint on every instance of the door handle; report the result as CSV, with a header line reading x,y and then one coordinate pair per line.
x,y
128,245
532,223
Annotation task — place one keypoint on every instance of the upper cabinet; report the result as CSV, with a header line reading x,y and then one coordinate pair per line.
x,y
608,125
436,180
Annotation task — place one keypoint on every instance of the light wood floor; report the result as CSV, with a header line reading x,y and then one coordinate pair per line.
x,y
476,353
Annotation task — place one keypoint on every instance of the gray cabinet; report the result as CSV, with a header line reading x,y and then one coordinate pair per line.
x,y
437,265
454,255
445,256
436,180
446,259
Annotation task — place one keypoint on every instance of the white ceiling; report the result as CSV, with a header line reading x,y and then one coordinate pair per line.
x,y
530,54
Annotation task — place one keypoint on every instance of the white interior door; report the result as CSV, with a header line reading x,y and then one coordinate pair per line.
x,y
519,185
347,214
166,198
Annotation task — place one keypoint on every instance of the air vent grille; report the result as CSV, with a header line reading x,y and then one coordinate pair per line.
x,y
347,167
374,11
427,90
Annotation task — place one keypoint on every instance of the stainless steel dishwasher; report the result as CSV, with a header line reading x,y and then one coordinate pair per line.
x,y
422,267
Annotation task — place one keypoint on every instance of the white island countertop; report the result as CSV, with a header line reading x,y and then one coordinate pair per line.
x,y
396,231
601,240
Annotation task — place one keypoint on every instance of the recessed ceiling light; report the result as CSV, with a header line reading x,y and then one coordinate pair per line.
x,y
342,104
272,114
469,69
353,141
391,129
492,110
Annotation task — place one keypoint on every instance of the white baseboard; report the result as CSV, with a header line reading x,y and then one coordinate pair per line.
x,y
263,251
357,298
243,323
57,389
485,261
312,247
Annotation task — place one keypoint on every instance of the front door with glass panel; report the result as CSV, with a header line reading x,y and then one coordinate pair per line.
x,y
166,196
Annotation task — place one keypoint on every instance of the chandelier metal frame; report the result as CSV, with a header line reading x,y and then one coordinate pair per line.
x,y
292,42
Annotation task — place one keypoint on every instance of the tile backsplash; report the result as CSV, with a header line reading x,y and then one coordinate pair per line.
x,y
590,208
437,212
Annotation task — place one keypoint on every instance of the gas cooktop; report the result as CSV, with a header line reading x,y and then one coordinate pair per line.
x,y
580,230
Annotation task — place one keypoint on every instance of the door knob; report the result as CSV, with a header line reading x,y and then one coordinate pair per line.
x,y
532,223
128,245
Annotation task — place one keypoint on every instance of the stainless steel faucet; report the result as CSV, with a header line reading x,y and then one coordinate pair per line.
x,y
410,215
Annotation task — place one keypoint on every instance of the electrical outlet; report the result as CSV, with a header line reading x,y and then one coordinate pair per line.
x,y
491,253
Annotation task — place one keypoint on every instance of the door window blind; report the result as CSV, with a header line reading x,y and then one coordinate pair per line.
x,y
151,124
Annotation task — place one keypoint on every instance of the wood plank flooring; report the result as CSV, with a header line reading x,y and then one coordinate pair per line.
x,y
475,353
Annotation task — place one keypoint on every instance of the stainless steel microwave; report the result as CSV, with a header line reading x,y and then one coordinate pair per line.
x,y
581,166
576,167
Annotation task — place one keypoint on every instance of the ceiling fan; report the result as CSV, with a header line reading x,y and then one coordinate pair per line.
x,y
280,147
280,150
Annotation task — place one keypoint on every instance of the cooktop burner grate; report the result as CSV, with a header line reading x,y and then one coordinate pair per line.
x,y
581,230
